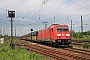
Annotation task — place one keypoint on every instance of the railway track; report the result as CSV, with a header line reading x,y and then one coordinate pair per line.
x,y
80,51
81,41
78,44
52,53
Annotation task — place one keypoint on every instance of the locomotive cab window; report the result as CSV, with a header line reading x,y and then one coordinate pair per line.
x,y
65,29
59,29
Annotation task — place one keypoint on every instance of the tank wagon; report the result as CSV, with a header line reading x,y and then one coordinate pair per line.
x,y
56,34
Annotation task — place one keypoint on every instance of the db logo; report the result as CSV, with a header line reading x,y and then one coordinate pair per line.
x,y
63,34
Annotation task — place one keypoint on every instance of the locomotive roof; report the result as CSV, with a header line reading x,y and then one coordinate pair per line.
x,y
58,25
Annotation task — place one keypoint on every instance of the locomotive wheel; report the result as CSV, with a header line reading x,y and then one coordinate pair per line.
x,y
51,44
56,45
48,43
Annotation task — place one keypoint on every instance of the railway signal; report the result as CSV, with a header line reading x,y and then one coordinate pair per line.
x,y
11,14
31,33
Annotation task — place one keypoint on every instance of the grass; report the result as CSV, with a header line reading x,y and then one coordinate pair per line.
x,y
6,53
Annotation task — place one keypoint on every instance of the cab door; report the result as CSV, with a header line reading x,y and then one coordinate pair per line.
x,y
51,33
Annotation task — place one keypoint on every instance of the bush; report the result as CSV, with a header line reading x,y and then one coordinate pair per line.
x,y
85,45
1,36
88,32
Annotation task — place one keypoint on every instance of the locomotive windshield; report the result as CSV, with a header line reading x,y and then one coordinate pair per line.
x,y
65,29
59,29
62,29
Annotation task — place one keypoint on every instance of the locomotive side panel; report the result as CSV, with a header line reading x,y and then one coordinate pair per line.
x,y
44,35
40,35
47,34
53,33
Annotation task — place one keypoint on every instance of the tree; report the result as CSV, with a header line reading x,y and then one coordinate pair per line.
x,y
78,35
88,32
85,33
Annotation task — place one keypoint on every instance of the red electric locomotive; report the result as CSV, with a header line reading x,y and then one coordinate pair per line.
x,y
56,34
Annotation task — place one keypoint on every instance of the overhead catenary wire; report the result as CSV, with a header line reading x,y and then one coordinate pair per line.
x,y
31,6
41,6
57,9
31,12
44,2
70,9
73,7
37,11
37,8
33,9
83,16
3,8
87,15
3,4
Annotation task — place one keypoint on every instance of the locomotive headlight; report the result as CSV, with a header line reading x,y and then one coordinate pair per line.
x,y
67,34
58,34
69,41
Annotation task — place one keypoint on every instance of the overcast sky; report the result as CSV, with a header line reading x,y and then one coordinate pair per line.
x,y
31,13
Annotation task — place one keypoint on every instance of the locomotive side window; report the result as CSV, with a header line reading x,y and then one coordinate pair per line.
x,y
52,29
